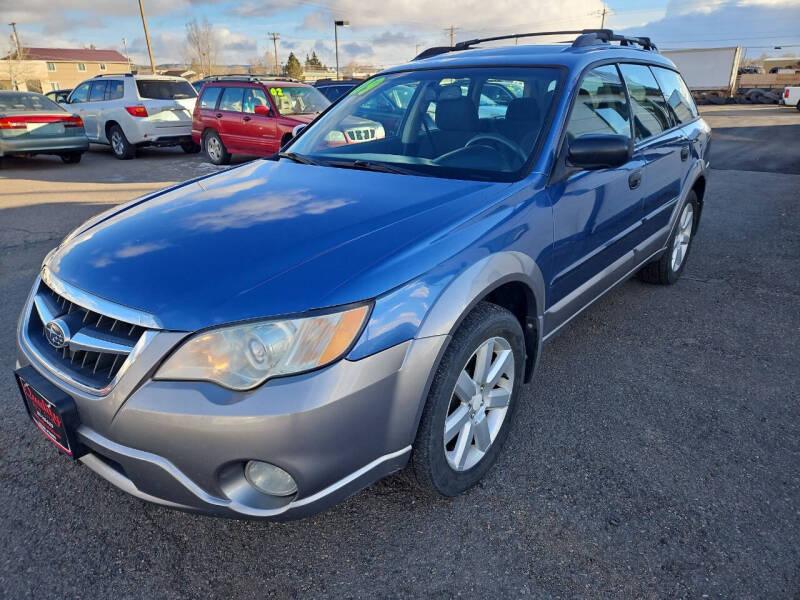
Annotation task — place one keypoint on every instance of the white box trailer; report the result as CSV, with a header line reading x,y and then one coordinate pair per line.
x,y
710,73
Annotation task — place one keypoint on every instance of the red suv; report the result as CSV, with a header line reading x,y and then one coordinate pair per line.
x,y
250,115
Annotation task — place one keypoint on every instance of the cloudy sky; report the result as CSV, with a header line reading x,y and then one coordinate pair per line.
x,y
389,32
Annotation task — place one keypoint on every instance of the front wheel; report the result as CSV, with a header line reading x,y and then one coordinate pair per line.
x,y
471,403
667,269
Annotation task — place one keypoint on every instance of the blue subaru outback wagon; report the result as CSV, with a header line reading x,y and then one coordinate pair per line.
x,y
268,340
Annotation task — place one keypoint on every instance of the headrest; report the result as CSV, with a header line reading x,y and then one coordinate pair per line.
x,y
459,114
449,92
522,109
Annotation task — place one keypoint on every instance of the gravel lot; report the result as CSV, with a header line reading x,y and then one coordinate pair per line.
x,y
656,453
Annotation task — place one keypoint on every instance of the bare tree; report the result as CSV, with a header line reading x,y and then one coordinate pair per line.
x,y
202,46
260,65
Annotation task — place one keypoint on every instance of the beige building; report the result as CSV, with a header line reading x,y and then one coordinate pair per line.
x,y
45,69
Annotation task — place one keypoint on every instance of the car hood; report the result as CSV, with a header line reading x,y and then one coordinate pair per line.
x,y
271,238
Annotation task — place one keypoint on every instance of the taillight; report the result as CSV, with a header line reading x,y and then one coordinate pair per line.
x,y
137,111
13,123
73,121
786,93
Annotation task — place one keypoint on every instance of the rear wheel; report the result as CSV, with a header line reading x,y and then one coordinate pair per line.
x,y
667,269
215,149
71,158
120,145
471,403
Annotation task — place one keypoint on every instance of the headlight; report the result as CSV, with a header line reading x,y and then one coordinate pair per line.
x,y
241,357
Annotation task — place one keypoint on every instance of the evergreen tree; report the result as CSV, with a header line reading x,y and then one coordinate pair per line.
x,y
293,67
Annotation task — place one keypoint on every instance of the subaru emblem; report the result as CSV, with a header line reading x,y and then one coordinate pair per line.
x,y
55,334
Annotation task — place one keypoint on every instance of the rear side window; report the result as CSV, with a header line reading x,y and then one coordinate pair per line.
x,y
115,89
209,97
165,89
601,105
650,113
232,99
98,92
678,96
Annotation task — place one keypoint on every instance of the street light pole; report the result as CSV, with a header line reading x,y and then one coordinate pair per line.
x,y
147,39
336,25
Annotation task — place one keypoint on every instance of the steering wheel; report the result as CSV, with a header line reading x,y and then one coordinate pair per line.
x,y
493,137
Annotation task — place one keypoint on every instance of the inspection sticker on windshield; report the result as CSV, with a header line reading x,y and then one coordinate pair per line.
x,y
368,85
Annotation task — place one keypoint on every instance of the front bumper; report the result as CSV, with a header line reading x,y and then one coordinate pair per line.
x,y
184,444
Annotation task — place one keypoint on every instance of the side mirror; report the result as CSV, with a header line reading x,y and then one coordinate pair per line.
x,y
262,109
600,151
296,131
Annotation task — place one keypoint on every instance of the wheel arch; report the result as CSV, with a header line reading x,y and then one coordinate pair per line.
x,y
509,279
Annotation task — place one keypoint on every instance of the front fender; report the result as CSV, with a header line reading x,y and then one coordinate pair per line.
x,y
435,303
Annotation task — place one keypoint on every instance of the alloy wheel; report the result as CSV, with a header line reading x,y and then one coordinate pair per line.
x,y
680,245
213,147
116,143
479,404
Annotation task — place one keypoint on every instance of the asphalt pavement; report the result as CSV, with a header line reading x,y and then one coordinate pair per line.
x,y
655,454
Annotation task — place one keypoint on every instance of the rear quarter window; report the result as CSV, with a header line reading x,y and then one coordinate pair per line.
x,y
165,89
209,97
678,96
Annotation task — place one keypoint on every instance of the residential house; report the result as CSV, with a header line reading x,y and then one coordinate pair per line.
x,y
45,69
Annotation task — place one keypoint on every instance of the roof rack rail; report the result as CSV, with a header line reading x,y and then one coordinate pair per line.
x,y
586,37
113,75
248,77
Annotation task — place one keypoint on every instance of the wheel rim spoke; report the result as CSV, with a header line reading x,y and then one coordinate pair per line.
x,y
483,437
499,366
455,422
483,358
463,445
466,387
498,398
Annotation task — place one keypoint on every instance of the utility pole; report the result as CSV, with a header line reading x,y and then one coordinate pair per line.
x,y
336,25
18,58
147,39
602,14
452,35
275,37
128,58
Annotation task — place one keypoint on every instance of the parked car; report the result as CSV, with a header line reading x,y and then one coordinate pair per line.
x,y
59,96
333,89
129,111
266,341
251,115
791,97
32,124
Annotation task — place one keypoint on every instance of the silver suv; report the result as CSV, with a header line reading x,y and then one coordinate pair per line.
x,y
129,111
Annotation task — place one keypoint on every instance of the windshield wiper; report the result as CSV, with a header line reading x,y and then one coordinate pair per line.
x,y
298,158
367,165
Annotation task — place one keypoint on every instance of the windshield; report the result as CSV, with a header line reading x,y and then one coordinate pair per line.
x,y
472,123
299,100
165,89
27,102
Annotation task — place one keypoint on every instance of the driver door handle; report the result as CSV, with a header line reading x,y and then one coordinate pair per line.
x,y
684,152
634,179
245,119
218,115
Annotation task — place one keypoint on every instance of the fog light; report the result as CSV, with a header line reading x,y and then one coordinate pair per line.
x,y
269,479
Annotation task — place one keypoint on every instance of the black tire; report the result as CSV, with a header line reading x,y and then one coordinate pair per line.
x,y
190,147
662,270
71,158
429,462
121,148
217,153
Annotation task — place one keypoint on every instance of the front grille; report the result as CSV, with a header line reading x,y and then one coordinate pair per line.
x,y
361,134
95,345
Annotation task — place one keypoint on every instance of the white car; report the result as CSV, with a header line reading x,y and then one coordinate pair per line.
x,y
129,111
791,97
